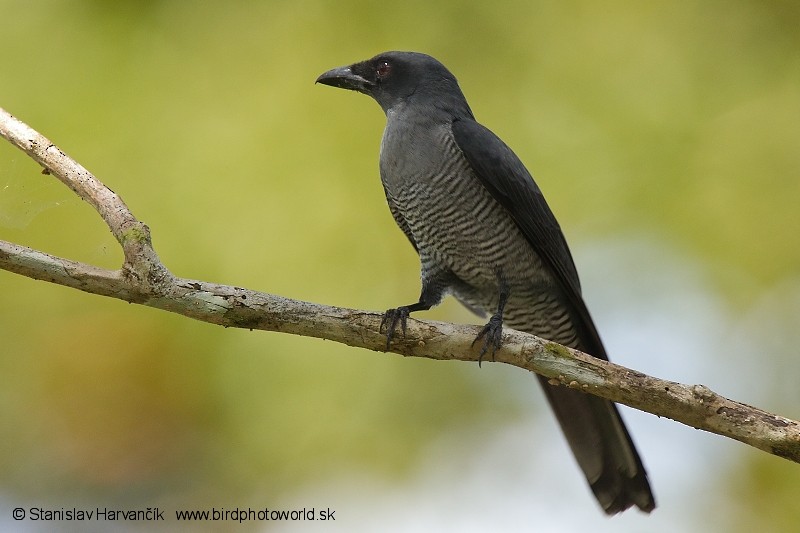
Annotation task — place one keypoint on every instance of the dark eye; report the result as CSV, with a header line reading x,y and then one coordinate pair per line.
x,y
383,70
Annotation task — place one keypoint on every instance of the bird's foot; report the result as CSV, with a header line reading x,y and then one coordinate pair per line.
x,y
391,319
492,335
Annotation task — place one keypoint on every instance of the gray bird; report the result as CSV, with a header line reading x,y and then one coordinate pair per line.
x,y
485,234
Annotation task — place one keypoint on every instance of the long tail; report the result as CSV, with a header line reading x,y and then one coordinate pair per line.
x,y
602,447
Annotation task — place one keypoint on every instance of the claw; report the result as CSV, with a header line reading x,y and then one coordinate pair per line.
x,y
492,335
390,320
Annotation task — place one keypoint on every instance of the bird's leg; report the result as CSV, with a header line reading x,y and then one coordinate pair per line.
x,y
433,289
399,315
492,333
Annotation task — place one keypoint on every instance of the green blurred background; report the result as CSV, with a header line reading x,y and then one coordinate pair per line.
x,y
666,136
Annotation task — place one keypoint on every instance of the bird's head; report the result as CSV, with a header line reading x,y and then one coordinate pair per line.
x,y
392,78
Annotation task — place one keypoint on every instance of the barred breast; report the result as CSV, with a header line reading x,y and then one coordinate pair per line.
x,y
458,227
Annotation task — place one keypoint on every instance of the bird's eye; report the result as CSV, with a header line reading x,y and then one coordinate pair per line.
x,y
383,70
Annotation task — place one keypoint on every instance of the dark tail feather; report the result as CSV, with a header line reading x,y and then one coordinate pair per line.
x,y
602,447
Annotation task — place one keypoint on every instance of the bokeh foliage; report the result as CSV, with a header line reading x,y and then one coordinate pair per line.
x,y
676,119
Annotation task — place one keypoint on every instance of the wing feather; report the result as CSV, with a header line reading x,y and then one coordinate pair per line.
x,y
509,182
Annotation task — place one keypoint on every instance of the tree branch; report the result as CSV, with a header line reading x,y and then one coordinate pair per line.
x,y
144,280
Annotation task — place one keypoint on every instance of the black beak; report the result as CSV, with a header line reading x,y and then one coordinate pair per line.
x,y
345,78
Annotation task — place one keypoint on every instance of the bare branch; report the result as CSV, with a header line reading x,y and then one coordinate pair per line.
x,y
141,260
144,280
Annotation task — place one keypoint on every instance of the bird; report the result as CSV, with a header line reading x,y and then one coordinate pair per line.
x,y
485,235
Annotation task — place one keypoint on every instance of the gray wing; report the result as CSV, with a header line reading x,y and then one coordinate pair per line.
x,y
592,426
510,183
